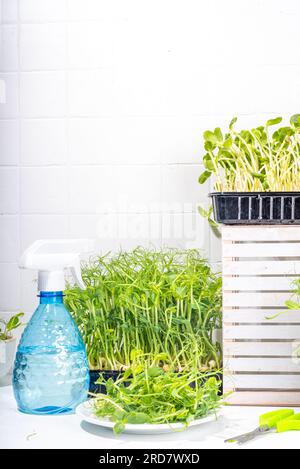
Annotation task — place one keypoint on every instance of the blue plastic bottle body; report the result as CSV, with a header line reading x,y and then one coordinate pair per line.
x,y
51,374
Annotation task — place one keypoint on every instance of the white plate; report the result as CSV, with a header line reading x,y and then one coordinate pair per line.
x,y
85,412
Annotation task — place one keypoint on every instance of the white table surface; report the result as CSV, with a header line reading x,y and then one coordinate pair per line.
x,y
19,430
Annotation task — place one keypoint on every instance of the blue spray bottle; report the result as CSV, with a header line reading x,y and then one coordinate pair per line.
x,y
51,374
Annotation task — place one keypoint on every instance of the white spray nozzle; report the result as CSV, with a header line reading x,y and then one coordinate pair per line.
x,y
51,256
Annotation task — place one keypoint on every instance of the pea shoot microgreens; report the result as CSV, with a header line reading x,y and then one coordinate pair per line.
x,y
161,302
253,160
146,393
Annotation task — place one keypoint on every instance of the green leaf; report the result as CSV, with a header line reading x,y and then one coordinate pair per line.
x,y
138,369
119,427
218,134
127,373
274,316
259,176
118,415
135,353
207,161
210,210
181,291
228,143
285,131
202,212
154,371
232,122
137,417
14,322
295,121
100,379
292,304
210,137
213,223
265,185
274,121
204,176
207,214
280,135
208,146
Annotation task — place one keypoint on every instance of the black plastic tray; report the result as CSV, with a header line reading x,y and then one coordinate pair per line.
x,y
256,208
94,375
114,374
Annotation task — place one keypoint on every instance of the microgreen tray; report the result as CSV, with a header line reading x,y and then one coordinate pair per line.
x,y
269,208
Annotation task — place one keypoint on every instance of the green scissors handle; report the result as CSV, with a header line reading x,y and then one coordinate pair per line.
x,y
281,420
290,423
270,419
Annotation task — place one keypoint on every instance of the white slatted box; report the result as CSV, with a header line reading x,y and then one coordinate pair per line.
x,y
260,264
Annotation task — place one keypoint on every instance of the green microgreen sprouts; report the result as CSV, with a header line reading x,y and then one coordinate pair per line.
x,y
160,302
6,327
293,303
254,160
146,393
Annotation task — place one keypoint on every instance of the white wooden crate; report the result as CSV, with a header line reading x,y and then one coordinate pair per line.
x,y
259,266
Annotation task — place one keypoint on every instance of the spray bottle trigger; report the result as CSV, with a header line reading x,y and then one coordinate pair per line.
x,y
76,273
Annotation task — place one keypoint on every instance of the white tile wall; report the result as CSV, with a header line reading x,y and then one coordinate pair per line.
x,y
48,40
10,108
9,237
180,179
9,48
185,230
140,91
43,94
42,10
42,226
118,230
9,11
106,103
9,191
138,187
9,142
10,287
122,189
43,142
141,136
44,189
97,193
90,10
90,92
90,44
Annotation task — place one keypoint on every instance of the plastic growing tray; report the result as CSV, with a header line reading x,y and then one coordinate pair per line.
x,y
269,208
106,374
114,374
